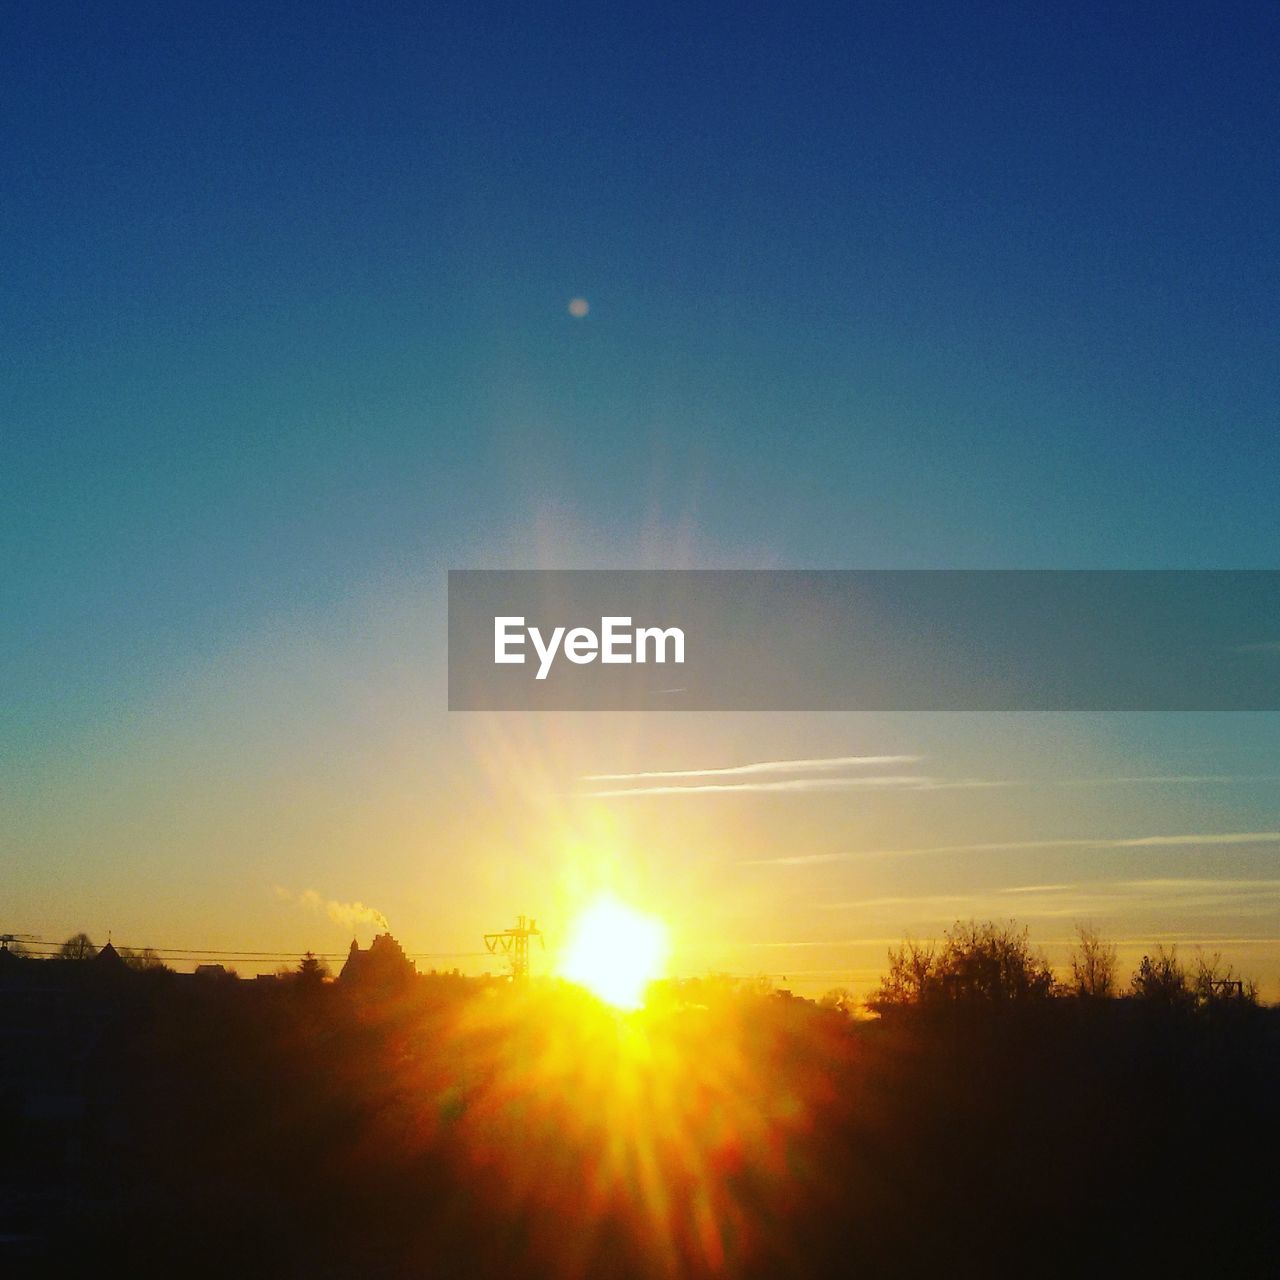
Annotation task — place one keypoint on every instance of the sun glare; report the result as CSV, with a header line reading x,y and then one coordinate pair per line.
x,y
615,951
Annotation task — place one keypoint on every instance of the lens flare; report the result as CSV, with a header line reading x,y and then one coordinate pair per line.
x,y
614,952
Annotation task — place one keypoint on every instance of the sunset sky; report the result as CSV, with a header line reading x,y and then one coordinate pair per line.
x,y
286,333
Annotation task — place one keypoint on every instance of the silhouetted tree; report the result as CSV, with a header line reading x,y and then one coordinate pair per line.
x,y
994,962
312,970
976,963
1093,964
912,976
1161,981
77,947
145,958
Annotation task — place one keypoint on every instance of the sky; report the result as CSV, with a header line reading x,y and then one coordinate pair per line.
x,y
285,334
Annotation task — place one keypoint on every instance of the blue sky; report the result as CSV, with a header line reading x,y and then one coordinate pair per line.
x,y
284,326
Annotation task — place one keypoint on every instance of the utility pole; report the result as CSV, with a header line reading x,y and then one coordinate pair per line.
x,y
514,944
1226,988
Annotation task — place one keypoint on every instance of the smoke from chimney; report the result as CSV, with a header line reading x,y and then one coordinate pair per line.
x,y
350,915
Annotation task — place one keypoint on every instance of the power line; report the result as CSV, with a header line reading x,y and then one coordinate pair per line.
x,y
40,948
203,953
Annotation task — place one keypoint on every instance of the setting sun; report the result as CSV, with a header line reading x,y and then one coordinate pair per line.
x,y
615,952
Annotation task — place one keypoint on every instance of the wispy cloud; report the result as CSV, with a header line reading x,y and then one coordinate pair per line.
x,y
797,860
775,946
881,782
811,943
1067,901
1210,838
814,775
1144,939
1188,885
811,775
1039,888
1156,779
820,765
937,899
1221,837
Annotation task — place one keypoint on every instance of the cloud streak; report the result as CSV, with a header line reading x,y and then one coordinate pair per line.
x,y
878,782
819,765
1064,901
810,775
1142,781
1211,838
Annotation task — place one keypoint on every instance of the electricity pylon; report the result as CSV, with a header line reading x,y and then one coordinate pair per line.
x,y
514,944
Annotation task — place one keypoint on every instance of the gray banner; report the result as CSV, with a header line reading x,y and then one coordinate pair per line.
x,y
864,640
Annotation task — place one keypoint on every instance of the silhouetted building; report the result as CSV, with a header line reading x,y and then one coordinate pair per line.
x,y
109,960
383,965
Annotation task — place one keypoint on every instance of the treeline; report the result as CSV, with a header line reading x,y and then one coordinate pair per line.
x,y
989,963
